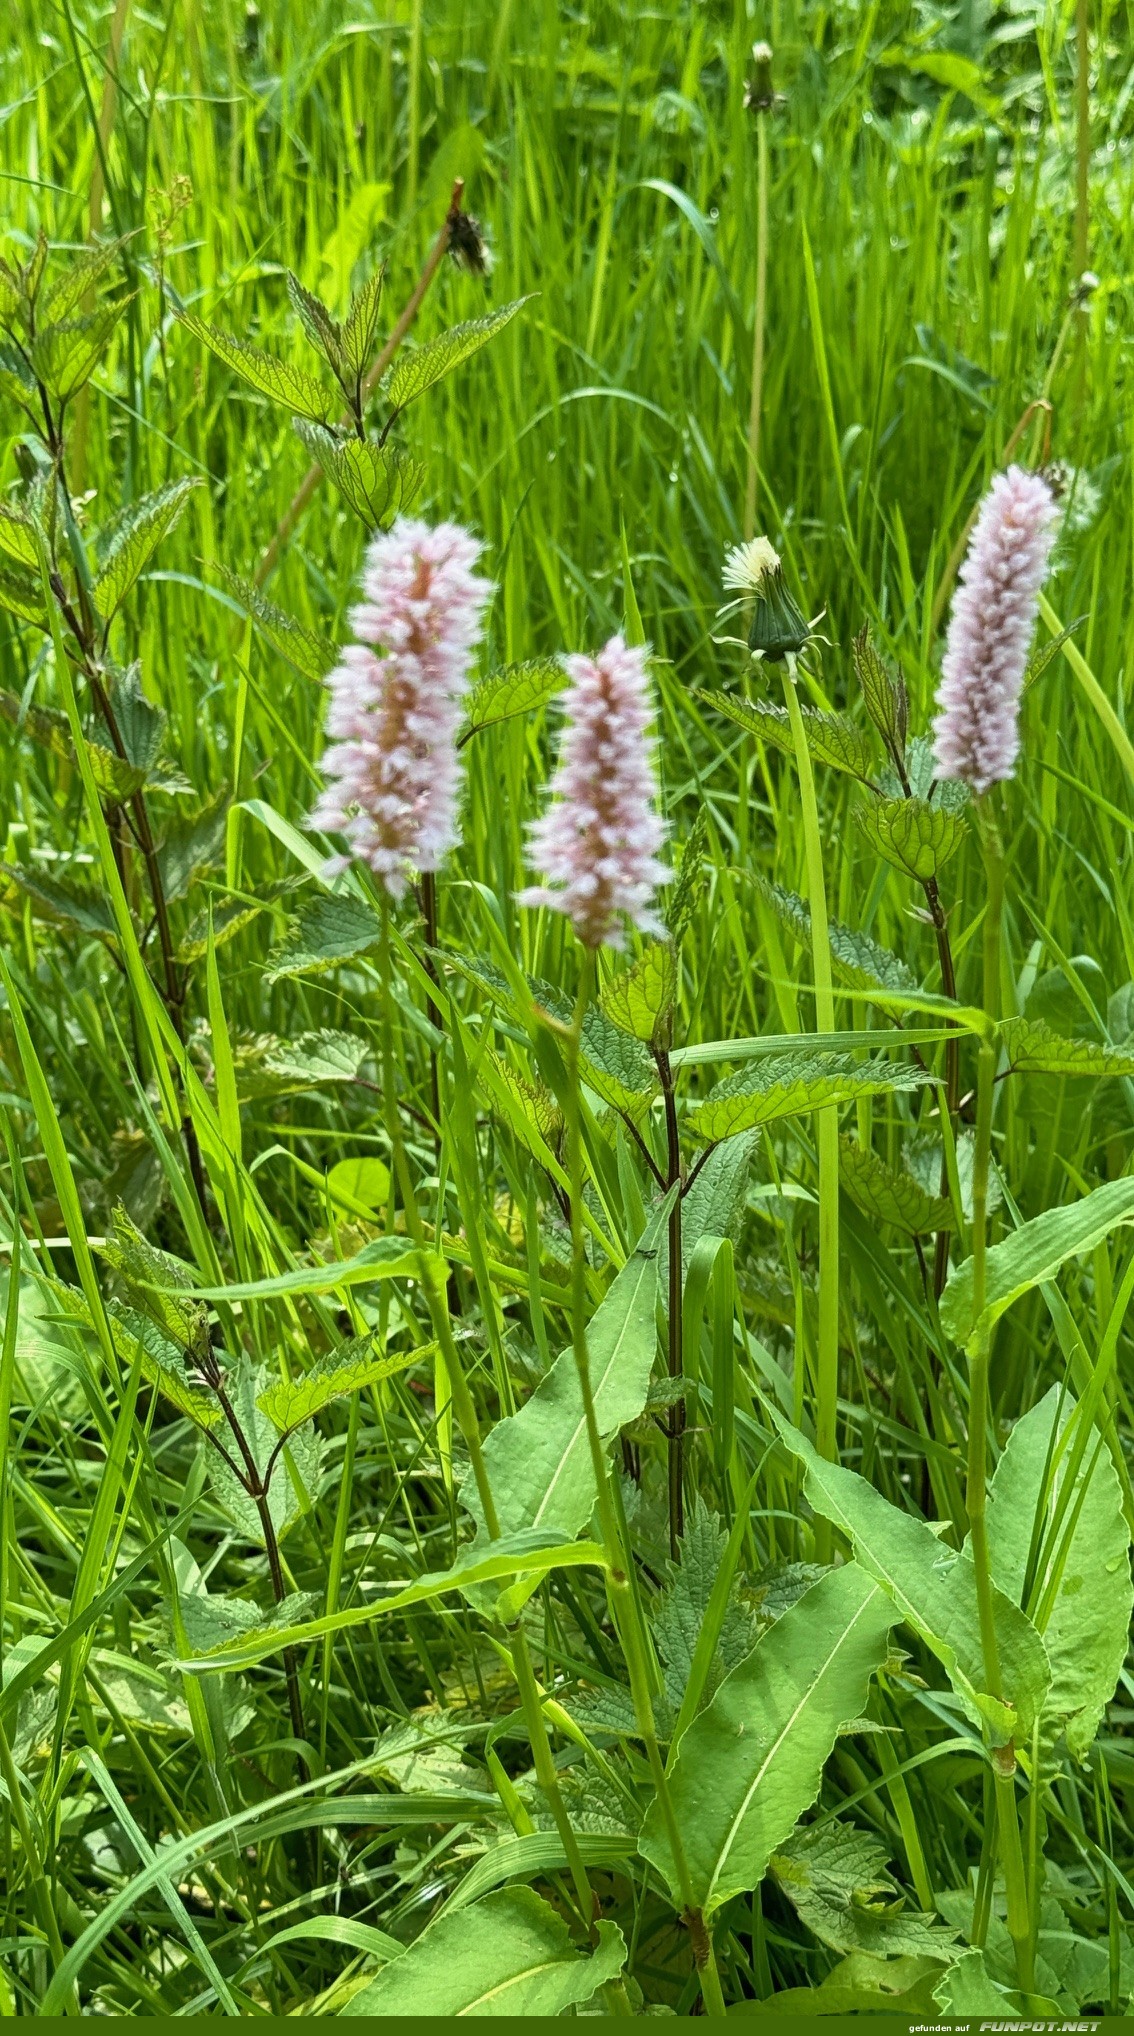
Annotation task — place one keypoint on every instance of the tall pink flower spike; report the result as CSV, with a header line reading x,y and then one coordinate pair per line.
x,y
598,842
392,765
976,733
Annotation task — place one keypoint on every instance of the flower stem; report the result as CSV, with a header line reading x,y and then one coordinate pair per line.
x,y
826,1121
758,323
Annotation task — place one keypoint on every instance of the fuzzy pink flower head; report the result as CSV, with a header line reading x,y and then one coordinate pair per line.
x,y
391,763
597,844
976,733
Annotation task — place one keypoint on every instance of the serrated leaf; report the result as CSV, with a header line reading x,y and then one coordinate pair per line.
x,y
279,1067
790,1085
752,1762
51,730
886,700
640,999
360,327
1035,1047
513,689
419,368
141,722
192,842
890,1195
691,881
323,330
713,1206
17,537
325,932
311,654
679,1613
1041,658
22,596
615,1066
69,903
292,387
69,286
911,834
160,1359
156,1283
127,544
228,917
66,354
1034,1253
527,1105
835,1877
857,961
510,1954
831,738
349,1369
296,1473
378,482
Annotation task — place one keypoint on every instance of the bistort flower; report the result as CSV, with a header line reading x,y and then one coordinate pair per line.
x,y
392,764
976,733
598,842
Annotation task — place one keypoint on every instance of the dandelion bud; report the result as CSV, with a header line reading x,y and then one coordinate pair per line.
x,y
392,763
759,93
597,843
777,630
976,733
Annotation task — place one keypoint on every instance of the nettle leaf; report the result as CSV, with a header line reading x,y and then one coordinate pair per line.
x,y
311,654
752,1762
831,738
1041,658
1034,1253
1035,1047
835,1877
640,999
510,690
891,1195
70,904
266,1068
115,778
126,545
419,368
292,387
714,1205
66,354
887,701
192,842
349,1369
360,327
857,961
139,1338
156,1282
911,834
17,537
790,1085
527,1105
21,594
510,1954
323,330
694,873
934,1591
679,1613
141,722
296,1474
229,916
69,286
377,481
1080,1592
326,931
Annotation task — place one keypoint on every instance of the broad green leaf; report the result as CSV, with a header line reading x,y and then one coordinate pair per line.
x,y
1034,1253
156,1283
364,1181
791,1084
679,1613
527,1105
418,368
126,545
192,843
615,1066
1035,1047
69,285
349,1369
17,537
292,387
714,1205
513,689
857,961
310,654
378,482
21,593
886,700
889,1194
66,354
115,777
752,1763
281,1067
914,836
510,1954
326,931
69,904
835,1877
539,1461
861,1984
967,1990
1080,1594
934,1590
640,999
228,917
693,874
294,1481
831,738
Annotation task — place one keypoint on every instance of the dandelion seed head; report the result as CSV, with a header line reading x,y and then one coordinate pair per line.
x,y
747,566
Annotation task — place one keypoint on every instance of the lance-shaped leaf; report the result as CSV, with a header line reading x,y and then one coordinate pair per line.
x,y
857,961
322,329
1034,1047
934,1590
528,1106
693,873
69,285
510,1954
889,1194
156,1282
512,689
1065,1548
51,730
292,387
835,1877
65,355
377,481
360,326
127,544
752,1762
349,1369
140,1341
911,834
270,1067
326,931
790,1085
831,738
419,368
1034,1253
887,702
69,904
640,999
539,1460
311,654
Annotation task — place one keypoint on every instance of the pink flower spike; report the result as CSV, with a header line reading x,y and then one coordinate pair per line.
x,y
392,764
597,844
976,733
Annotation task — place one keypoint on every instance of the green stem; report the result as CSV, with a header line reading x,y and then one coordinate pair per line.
x,y
758,324
627,1617
826,1121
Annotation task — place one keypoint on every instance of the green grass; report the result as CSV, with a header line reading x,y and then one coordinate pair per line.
x,y
921,262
